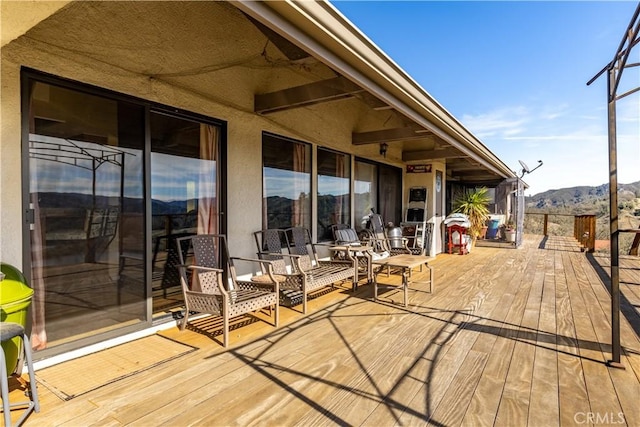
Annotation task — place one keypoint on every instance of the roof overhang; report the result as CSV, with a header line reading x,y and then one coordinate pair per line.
x,y
324,32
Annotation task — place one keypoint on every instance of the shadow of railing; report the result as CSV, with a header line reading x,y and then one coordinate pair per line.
x,y
627,308
453,322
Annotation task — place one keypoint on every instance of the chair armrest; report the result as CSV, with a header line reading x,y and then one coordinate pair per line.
x,y
261,261
276,254
199,267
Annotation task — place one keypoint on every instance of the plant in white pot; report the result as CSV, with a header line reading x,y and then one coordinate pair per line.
x,y
475,205
510,232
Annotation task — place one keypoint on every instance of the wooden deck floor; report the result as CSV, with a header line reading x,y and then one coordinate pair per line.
x,y
508,338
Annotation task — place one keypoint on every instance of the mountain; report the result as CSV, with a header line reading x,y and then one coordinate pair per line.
x,y
581,197
562,203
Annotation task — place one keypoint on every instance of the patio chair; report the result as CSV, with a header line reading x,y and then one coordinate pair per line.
x,y
344,235
209,291
376,236
301,274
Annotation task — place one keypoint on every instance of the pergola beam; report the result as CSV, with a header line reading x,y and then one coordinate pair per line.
x,y
305,95
387,135
446,153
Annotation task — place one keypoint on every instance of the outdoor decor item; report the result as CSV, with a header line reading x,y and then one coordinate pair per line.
x,y
209,293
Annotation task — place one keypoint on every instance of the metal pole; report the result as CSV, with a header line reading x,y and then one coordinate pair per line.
x,y
613,223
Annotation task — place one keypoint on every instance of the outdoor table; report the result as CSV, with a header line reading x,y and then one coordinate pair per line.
x,y
405,263
357,252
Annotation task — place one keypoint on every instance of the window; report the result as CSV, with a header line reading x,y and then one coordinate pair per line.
x,y
286,175
94,268
86,189
333,191
365,192
184,177
378,187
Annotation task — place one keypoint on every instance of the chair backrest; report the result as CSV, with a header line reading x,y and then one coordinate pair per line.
x,y
299,243
336,227
347,236
269,243
380,241
209,250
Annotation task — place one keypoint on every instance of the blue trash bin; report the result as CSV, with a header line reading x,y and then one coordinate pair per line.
x,y
492,230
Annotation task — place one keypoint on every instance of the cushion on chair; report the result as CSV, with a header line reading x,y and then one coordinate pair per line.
x,y
380,255
347,236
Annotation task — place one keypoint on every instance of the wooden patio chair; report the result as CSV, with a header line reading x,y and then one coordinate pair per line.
x,y
344,235
301,275
215,288
376,236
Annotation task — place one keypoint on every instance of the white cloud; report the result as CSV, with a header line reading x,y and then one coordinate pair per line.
x,y
572,144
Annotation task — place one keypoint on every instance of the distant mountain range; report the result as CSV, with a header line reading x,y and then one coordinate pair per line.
x,y
585,200
584,197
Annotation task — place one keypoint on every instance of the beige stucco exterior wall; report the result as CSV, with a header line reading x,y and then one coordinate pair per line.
x,y
19,16
10,159
321,125
428,180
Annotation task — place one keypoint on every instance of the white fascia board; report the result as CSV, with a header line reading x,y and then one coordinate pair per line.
x,y
323,31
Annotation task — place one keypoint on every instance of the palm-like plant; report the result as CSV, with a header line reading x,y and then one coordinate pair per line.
x,y
475,205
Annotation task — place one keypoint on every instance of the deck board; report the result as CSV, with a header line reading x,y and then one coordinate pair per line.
x,y
508,337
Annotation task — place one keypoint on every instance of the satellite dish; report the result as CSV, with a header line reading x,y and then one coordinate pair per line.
x,y
525,168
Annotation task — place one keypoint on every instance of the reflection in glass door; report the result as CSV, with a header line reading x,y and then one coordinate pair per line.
x,y
184,194
86,197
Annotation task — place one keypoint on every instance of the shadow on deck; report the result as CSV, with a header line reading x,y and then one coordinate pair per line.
x,y
509,337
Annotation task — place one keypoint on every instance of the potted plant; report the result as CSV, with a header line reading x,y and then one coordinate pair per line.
x,y
474,204
510,232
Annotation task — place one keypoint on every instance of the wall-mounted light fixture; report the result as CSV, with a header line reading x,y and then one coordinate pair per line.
x,y
383,149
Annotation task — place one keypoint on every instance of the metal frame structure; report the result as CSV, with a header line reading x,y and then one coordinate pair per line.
x,y
614,70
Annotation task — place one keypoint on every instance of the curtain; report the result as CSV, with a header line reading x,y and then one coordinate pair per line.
x,y
340,198
299,204
208,185
38,331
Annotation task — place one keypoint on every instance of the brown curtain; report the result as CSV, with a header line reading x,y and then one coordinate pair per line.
x,y
208,185
299,205
340,173
38,331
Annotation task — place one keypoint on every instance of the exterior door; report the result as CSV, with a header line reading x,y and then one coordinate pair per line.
x,y
438,230
112,182
184,195
85,193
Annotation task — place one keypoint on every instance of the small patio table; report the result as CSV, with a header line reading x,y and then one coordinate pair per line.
x,y
357,252
405,263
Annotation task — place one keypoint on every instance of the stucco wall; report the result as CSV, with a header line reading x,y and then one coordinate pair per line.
x,y
10,170
325,125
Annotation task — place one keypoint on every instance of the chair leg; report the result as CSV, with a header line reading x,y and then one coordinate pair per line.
x,y
4,385
225,329
33,404
32,375
185,319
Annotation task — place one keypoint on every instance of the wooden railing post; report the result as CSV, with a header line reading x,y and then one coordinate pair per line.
x,y
546,222
592,233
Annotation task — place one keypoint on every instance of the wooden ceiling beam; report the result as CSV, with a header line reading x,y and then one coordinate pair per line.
x,y
304,95
386,135
474,175
447,153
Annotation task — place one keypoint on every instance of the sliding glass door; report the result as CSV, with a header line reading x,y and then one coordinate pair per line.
x,y
378,188
184,194
112,182
86,197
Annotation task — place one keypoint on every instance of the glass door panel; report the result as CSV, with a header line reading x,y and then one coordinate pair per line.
x,y
184,194
86,193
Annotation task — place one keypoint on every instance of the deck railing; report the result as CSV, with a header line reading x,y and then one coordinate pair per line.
x,y
584,228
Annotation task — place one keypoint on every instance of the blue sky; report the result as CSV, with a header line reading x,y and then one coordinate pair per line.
x,y
515,74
